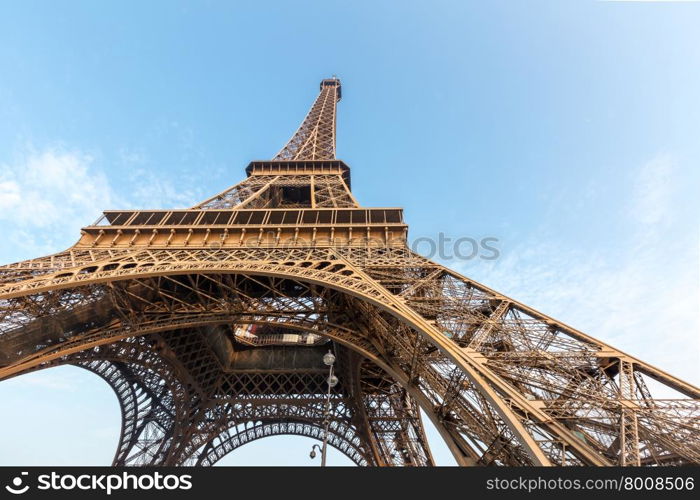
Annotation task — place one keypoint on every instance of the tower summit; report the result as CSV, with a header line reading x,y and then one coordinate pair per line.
x,y
315,138
211,324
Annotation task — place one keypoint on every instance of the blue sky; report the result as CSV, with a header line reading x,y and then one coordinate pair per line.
x,y
566,129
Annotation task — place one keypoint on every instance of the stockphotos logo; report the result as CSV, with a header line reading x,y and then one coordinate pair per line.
x,y
17,487
106,483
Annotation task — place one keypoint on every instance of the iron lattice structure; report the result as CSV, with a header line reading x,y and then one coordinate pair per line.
x,y
210,323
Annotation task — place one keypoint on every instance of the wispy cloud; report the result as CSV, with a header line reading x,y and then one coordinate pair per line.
x,y
147,189
152,191
50,186
641,297
54,380
45,196
651,204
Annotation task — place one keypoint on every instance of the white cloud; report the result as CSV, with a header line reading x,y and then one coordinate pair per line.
x,y
50,379
52,186
654,186
152,191
46,196
640,295
10,195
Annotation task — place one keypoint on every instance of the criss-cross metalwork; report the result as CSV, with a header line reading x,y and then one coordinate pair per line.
x,y
315,138
210,324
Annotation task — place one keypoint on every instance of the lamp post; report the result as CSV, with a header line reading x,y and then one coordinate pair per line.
x,y
332,381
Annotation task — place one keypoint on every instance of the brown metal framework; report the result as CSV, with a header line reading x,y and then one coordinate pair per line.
x,y
210,323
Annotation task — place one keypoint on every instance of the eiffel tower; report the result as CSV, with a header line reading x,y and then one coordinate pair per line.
x,y
210,324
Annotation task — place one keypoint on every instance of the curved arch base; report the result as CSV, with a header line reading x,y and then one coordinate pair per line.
x,y
172,331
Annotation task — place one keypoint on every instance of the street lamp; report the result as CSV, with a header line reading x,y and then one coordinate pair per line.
x,y
332,381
